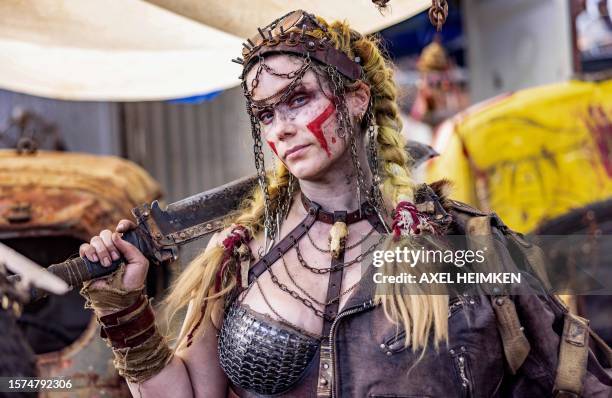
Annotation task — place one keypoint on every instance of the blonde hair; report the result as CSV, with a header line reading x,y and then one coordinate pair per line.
x,y
418,314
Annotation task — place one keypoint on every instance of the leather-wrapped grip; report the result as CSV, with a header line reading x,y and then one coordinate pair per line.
x,y
78,270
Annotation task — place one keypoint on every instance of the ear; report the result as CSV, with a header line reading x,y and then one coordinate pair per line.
x,y
358,99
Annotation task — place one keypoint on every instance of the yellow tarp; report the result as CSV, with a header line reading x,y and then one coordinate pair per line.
x,y
532,155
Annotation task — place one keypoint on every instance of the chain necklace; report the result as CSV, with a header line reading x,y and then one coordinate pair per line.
x,y
340,265
308,294
282,318
347,248
307,303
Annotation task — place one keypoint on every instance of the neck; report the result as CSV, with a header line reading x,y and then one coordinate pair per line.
x,y
337,188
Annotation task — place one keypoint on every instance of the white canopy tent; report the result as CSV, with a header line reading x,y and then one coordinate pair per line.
x,y
133,50
242,17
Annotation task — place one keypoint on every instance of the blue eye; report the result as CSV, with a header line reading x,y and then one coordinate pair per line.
x,y
266,117
299,100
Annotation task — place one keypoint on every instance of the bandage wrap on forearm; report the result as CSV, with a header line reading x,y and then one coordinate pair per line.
x,y
139,350
113,297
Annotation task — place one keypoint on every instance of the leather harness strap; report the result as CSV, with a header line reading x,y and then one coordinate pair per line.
x,y
325,379
285,244
315,213
573,357
334,284
328,217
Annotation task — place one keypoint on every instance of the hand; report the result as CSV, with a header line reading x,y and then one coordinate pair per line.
x,y
107,246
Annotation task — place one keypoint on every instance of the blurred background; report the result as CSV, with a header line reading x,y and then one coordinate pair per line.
x,y
105,105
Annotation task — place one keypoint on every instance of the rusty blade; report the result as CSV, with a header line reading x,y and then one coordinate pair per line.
x,y
30,273
202,207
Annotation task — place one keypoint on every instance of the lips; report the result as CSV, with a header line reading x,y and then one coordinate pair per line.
x,y
295,151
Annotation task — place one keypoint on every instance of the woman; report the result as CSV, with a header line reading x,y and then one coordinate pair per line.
x,y
277,302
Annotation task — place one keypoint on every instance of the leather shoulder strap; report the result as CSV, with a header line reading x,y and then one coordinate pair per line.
x,y
573,356
283,246
375,221
516,346
465,208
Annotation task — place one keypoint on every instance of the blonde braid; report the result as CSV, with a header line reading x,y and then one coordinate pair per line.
x,y
397,184
421,314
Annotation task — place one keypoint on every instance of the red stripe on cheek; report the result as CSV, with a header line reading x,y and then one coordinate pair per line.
x,y
316,127
271,144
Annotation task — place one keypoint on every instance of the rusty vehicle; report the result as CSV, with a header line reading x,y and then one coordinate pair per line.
x,y
50,203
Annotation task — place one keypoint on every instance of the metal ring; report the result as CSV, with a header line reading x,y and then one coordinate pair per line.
x,y
311,46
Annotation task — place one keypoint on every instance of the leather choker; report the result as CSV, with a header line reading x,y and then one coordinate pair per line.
x,y
328,217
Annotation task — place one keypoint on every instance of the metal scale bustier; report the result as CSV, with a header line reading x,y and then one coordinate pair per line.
x,y
261,355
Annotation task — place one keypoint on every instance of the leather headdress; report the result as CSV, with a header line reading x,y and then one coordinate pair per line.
x,y
297,33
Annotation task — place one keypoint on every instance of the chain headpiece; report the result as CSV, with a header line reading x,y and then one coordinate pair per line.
x,y
297,33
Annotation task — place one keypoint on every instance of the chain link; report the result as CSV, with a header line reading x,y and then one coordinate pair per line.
x,y
359,242
272,216
282,318
374,160
307,303
338,266
438,12
309,295
282,95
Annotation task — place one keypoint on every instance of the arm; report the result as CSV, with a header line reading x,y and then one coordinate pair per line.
x,y
191,372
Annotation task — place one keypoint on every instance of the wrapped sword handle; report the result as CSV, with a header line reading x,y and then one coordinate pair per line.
x,y
78,270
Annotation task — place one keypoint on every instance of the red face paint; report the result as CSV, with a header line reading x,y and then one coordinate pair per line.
x,y
333,140
316,127
273,147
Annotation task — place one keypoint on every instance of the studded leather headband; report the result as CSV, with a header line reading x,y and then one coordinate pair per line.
x,y
294,34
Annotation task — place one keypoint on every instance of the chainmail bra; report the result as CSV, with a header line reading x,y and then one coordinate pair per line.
x,y
260,354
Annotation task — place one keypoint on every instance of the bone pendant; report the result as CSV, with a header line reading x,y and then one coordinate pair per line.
x,y
245,262
337,238
244,273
